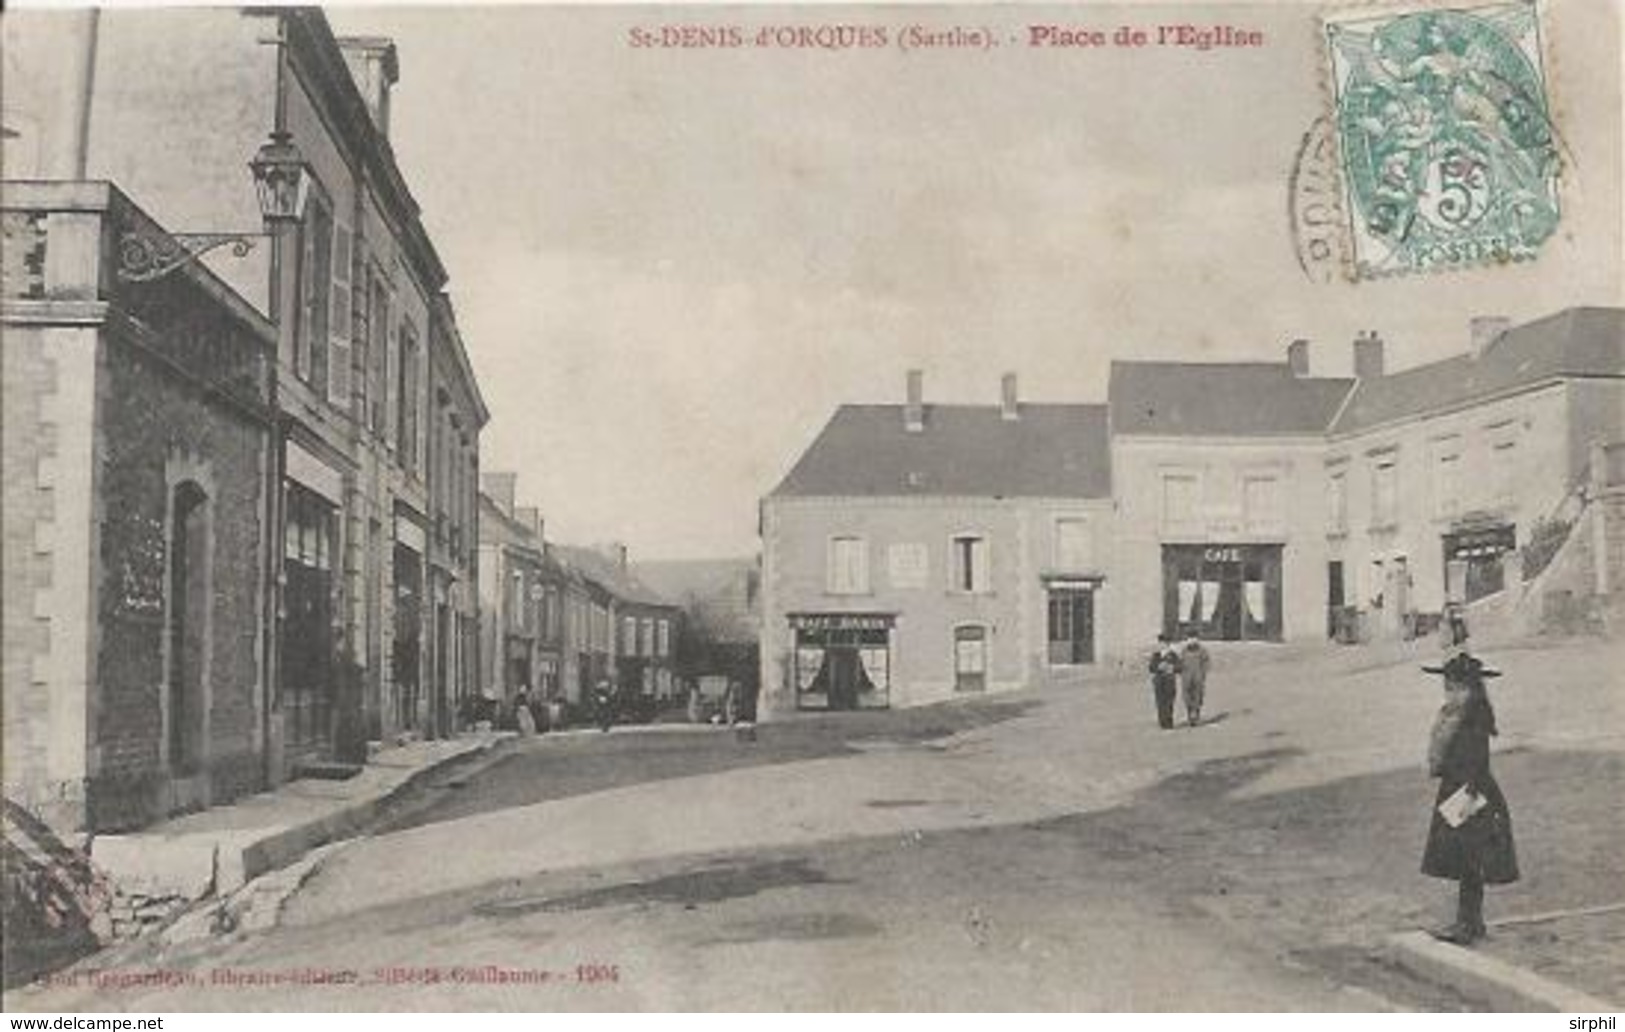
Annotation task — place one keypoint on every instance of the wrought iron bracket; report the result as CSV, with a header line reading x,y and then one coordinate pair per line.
x,y
145,255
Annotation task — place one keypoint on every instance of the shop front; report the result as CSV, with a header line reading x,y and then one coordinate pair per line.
x,y
842,661
1222,592
1476,553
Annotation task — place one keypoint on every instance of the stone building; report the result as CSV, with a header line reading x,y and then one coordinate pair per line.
x,y
523,589
1216,471
138,437
918,551
378,456
632,629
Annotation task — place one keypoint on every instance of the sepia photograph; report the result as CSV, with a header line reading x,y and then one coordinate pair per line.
x,y
814,507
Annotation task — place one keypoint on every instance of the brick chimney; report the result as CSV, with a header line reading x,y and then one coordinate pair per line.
x,y
1368,355
375,69
1484,330
1297,357
1009,402
499,487
914,411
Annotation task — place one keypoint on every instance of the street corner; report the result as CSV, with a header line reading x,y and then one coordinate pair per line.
x,y
1479,976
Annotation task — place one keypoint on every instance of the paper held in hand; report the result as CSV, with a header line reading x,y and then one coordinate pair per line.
x,y
1461,805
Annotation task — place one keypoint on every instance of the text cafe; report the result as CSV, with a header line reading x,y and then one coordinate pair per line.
x,y
842,661
1222,592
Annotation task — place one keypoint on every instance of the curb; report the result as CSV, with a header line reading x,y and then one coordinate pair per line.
x,y
1478,976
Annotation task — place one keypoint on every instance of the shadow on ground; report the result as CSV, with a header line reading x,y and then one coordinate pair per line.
x,y
560,766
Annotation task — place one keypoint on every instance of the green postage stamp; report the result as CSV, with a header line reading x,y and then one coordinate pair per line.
x,y
1444,136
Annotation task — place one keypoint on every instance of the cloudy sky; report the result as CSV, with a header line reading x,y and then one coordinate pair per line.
x,y
671,265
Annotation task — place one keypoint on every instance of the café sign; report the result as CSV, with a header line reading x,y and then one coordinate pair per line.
x,y
841,621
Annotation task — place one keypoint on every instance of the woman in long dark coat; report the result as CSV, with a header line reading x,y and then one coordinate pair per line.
x,y
1480,850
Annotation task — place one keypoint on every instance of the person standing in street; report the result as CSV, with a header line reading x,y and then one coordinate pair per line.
x,y
1193,664
1470,835
1164,667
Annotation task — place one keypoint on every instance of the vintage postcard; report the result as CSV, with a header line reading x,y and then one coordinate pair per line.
x,y
802,507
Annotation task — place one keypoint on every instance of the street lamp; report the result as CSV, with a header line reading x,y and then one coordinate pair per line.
x,y
282,179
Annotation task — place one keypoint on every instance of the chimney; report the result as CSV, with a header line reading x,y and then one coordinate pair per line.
x,y
530,518
1009,405
499,487
914,411
621,555
375,69
1297,357
1484,330
1368,355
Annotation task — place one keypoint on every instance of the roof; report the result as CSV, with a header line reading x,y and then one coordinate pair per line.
x,y
1051,451
1186,399
1573,342
610,575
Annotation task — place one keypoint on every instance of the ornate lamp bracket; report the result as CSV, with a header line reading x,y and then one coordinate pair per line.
x,y
146,255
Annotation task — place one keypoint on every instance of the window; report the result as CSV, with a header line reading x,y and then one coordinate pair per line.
x,y
663,644
848,571
1261,503
1447,482
629,636
314,274
1504,466
970,559
1178,500
1385,491
406,402
1072,551
1337,503
378,331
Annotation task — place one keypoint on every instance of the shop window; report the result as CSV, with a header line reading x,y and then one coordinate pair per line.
x,y
971,563
970,659
848,572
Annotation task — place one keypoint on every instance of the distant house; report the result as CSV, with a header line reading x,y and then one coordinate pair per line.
x,y
523,590
721,627
638,626
916,552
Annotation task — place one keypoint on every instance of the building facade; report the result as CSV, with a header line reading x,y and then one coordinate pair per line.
x,y
378,437
523,589
916,552
1216,471
138,437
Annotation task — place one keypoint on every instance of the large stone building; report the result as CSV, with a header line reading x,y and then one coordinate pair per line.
x,y
138,434
376,462
916,551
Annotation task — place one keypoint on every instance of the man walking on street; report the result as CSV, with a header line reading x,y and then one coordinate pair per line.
x,y
1164,667
1193,665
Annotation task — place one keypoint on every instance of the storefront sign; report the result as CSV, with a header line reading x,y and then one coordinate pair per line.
x,y
306,469
1222,555
841,621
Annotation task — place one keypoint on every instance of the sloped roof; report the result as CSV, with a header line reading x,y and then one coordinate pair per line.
x,y
610,575
1573,342
1057,451
1187,399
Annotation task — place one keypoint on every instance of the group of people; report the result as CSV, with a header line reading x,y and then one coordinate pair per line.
x,y
1469,838
1175,671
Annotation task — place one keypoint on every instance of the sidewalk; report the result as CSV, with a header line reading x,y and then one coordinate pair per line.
x,y
216,851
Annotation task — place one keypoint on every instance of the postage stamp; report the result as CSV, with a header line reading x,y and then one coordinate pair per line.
x,y
1446,149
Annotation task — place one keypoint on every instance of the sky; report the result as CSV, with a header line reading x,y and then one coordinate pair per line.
x,y
670,266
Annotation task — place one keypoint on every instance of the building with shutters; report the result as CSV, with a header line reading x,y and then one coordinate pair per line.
x,y
377,459
919,551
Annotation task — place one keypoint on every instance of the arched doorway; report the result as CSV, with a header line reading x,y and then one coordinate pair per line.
x,y
186,679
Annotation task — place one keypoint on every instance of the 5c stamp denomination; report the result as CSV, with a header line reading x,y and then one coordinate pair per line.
x,y
1445,140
